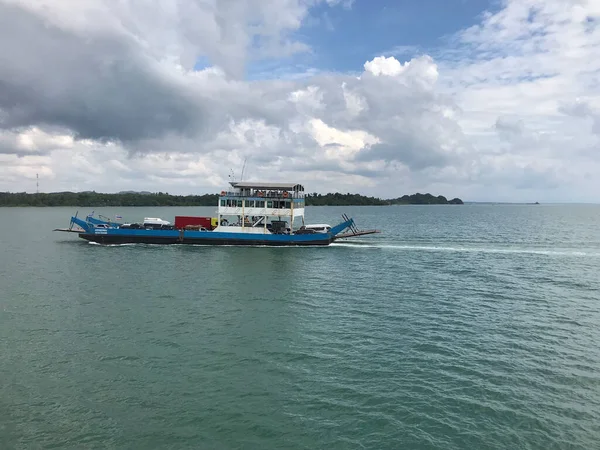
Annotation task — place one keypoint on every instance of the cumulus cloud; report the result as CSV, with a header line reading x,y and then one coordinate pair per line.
x,y
421,70
92,90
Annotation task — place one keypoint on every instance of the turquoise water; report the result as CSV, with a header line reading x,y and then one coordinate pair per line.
x,y
472,326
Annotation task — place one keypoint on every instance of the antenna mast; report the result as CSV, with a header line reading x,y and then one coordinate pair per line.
x,y
37,183
243,167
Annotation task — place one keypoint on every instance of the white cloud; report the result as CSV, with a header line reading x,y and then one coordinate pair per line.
x,y
518,77
385,66
33,141
423,67
101,95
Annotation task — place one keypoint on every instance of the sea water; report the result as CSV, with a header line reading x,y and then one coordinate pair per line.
x,y
473,326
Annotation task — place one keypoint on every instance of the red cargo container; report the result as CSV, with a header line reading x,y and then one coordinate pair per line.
x,y
183,221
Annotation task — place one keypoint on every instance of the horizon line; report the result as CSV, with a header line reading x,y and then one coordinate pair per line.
x,y
500,202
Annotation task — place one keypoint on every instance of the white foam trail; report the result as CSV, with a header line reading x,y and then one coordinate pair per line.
x,y
365,245
436,248
111,245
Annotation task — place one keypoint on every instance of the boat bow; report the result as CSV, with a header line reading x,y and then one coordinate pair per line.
x,y
348,224
83,224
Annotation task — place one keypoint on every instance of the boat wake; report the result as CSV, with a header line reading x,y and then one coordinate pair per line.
x,y
398,247
436,248
114,245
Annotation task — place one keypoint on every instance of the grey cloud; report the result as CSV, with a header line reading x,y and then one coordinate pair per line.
x,y
102,84
582,108
509,127
530,178
11,150
97,85
416,153
334,167
576,108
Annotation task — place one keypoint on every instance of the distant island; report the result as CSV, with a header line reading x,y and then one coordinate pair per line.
x,y
129,198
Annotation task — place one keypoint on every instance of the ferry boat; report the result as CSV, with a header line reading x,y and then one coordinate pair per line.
x,y
248,213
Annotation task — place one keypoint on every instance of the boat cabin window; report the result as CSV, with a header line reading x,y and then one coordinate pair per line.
x,y
232,203
260,203
269,204
249,203
280,204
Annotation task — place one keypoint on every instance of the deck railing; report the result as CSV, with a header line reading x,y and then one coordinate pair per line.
x,y
265,194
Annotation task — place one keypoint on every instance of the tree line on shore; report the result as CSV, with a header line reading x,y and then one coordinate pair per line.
x,y
122,199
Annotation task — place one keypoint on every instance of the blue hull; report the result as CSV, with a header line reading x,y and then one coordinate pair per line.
x,y
203,238
114,235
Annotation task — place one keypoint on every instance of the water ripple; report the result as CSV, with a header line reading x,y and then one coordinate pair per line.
x,y
457,328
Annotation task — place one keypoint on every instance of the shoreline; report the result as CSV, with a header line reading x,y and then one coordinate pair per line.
x,y
127,199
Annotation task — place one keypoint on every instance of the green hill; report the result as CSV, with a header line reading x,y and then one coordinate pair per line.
x,y
164,199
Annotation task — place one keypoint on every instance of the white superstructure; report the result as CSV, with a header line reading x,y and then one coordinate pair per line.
x,y
261,207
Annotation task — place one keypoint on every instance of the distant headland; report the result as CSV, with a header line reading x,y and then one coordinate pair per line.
x,y
130,198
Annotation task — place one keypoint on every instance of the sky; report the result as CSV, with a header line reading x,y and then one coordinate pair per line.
x,y
482,100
